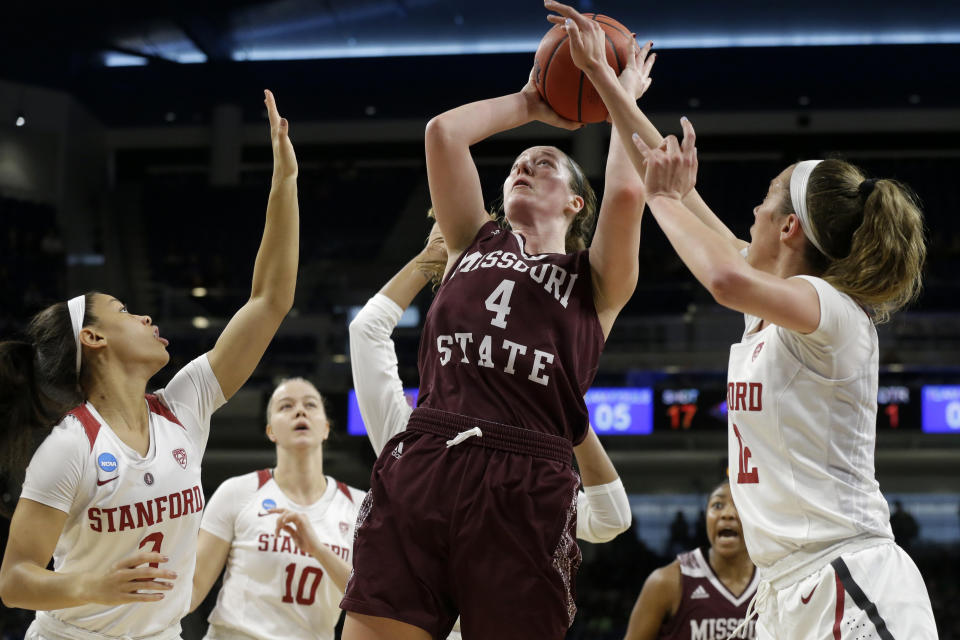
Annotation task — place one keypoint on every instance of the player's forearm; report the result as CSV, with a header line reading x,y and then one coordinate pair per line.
x,y
28,586
334,566
275,269
404,286
476,121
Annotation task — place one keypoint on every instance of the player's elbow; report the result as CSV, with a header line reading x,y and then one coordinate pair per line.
x,y
626,196
439,133
9,593
727,285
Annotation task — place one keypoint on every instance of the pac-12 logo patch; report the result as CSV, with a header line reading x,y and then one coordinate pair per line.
x,y
180,455
756,352
268,503
107,462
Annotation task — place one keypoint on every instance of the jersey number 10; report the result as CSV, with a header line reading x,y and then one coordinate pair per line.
x,y
301,597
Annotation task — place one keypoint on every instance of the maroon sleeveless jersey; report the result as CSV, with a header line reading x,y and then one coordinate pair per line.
x,y
513,338
708,610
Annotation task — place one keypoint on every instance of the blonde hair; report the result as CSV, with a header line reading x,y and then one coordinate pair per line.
x,y
872,233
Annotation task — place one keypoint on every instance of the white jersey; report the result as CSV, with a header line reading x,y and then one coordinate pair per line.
x,y
802,419
603,511
119,503
272,589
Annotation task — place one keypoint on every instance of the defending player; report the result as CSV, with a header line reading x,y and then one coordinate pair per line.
x,y
704,593
831,254
285,534
113,494
472,508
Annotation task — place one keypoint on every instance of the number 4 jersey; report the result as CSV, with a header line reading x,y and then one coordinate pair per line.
x,y
271,588
513,338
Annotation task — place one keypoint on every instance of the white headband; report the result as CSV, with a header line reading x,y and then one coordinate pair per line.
x,y
798,195
77,306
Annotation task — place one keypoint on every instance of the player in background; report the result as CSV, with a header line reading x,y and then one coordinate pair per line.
x,y
113,493
831,254
285,534
704,593
472,507
603,508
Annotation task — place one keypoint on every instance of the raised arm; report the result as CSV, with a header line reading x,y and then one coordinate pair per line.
x,y
616,243
454,183
373,358
245,338
587,48
26,583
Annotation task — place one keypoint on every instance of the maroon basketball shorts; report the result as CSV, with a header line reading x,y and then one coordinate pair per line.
x,y
484,529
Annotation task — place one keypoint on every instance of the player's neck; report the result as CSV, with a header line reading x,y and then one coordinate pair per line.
x,y
299,474
119,401
735,569
541,236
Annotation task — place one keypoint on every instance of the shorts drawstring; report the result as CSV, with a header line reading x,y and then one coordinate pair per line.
x,y
463,435
758,605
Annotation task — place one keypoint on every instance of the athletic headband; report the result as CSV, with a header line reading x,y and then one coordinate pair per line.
x,y
77,306
798,195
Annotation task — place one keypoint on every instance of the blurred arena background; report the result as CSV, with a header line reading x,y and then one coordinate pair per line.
x,y
134,159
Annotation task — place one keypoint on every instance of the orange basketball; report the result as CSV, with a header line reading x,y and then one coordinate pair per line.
x,y
564,87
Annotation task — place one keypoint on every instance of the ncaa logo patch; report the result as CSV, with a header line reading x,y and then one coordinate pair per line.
x,y
180,455
107,462
268,503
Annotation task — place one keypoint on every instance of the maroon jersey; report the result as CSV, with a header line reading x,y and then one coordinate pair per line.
x,y
708,610
513,338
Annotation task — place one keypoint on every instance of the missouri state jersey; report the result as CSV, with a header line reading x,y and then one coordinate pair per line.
x,y
272,589
513,338
802,420
708,609
119,503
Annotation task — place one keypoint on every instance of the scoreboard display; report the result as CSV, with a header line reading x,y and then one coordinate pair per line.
x,y
690,403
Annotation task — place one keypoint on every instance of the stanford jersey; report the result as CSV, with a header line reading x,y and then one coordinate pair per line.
x,y
119,502
802,413
708,610
272,590
508,325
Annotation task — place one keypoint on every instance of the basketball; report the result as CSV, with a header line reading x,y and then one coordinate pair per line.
x,y
565,87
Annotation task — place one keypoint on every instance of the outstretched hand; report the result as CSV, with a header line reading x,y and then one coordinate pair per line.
x,y
284,158
670,169
540,110
635,77
588,42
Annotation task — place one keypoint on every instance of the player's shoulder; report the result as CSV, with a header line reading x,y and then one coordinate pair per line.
x,y
345,493
247,484
77,430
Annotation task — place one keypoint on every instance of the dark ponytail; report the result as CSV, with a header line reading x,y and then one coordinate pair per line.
x,y
38,385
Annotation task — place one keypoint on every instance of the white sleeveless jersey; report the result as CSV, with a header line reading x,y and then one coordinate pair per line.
x,y
272,589
802,420
120,503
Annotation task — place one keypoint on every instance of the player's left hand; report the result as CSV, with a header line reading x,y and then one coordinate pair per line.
x,y
671,168
588,43
635,77
284,158
540,110
298,527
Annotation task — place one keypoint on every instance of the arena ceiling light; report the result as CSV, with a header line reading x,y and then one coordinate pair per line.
x,y
255,52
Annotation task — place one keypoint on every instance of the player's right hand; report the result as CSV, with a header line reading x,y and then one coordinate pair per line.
x,y
129,580
284,158
541,111
635,77
671,168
